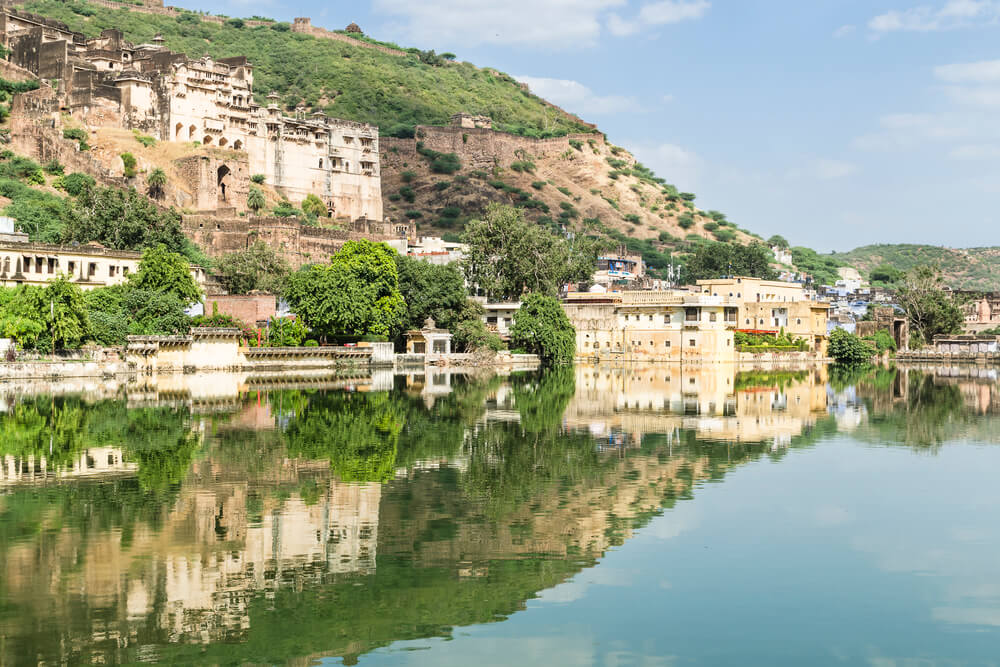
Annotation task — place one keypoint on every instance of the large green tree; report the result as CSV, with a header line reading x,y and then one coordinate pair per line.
x,y
430,290
167,273
541,327
355,294
125,310
508,255
930,309
714,260
258,267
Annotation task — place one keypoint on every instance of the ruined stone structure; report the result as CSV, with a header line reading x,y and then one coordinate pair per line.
x,y
109,82
885,318
470,121
297,243
303,24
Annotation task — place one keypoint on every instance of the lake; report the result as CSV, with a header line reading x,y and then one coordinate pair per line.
x,y
654,515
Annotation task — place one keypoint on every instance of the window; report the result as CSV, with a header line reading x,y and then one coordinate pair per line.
x,y
72,267
748,320
690,314
321,163
650,318
798,320
711,317
692,343
666,343
728,342
652,343
111,271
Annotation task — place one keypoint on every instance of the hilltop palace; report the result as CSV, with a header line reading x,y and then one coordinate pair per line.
x,y
109,82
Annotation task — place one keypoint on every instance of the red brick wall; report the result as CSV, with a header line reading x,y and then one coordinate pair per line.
x,y
250,309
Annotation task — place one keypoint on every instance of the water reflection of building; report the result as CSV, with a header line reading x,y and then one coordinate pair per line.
x,y
191,572
103,462
714,402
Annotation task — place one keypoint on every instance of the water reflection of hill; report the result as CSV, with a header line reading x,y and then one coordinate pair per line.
x,y
278,524
922,407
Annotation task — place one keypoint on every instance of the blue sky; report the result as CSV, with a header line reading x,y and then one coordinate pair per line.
x,y
836,123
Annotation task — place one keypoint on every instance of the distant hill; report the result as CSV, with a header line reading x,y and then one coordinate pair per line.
x,y
963,268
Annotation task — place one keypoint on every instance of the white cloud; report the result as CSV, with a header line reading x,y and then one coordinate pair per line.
x,y
658,13
984,71
924,18
844,31
577,98
548,23
677,165
667,99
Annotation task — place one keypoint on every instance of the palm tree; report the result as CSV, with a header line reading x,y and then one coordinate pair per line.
x,y
255,200
155,182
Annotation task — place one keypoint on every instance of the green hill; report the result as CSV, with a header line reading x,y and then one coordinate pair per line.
x,y
962,268
343,80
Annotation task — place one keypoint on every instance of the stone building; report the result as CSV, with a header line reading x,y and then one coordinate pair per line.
x,y
651,325
770,305
109,82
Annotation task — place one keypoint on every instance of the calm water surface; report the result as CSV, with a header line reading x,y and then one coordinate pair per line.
x,y
639,516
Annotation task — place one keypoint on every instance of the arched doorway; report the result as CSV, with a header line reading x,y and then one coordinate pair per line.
x,y
191,130
223,181
223,141
178,130
207,140
237,145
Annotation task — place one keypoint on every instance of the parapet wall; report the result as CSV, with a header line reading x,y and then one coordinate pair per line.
x,y
304,26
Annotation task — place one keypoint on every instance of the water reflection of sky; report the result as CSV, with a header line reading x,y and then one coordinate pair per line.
x,y
838,554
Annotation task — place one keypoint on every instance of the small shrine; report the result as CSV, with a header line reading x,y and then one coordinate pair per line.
x,y
428,340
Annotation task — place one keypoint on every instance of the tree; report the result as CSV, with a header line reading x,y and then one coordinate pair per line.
x,y
886,274
541,327
286,332
155,183
470,332
930,309
313,205
123,310
714,260
850,350
356,294
508,256
166,272
255,200
65,315
779,241
122,220
258,267
430,290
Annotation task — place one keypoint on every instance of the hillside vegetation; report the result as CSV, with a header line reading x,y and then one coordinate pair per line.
x,y
342,80
965,268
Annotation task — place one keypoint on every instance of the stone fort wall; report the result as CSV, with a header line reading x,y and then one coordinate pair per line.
x,y
480,148
297,243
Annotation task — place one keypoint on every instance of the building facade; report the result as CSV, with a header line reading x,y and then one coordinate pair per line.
x,y
773,306
653,325
89,266
109,82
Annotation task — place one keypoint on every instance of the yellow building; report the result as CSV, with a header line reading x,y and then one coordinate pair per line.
x,y
653,325
772,305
